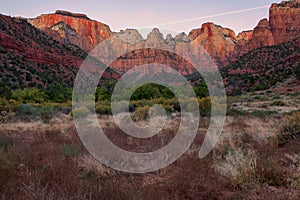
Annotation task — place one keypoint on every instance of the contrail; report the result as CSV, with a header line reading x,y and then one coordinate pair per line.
x,y
211,16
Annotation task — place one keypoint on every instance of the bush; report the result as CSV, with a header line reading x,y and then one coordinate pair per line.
x,y
289,129
59,93
238,166
4,141
103,107
70,150
26,109
30,95
297,72
80,112
278,103
7,167
5,91
205,106
141,113
46,113
7,108
268,172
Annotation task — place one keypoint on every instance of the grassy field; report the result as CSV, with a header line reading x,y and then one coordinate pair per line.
x,y
257,156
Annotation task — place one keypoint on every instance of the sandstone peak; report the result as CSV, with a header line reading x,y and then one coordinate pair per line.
x,y
73,28
182,37
263,23
67,13
169,37
155,34
130,36
245,35
155,31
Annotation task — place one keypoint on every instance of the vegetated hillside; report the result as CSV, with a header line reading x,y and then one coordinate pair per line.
x,y
263,67
30,58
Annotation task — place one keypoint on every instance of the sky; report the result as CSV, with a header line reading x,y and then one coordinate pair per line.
x,y
177,16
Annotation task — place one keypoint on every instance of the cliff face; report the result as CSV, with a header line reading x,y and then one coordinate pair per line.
x,y
73,28
261,36
30,58
283,26
285,21
149,50
222,44
219,42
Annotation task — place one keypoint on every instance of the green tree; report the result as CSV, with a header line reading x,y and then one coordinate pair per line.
x,y
5,91
33,95
59,93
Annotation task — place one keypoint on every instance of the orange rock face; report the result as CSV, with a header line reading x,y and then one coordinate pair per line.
x,y
72,28
33,52
285,21
217,41
261,36
222,44
283,25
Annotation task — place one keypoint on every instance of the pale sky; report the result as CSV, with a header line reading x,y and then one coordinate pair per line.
x,y
120,14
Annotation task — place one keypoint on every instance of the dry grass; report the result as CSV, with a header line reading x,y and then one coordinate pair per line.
x,y
244,165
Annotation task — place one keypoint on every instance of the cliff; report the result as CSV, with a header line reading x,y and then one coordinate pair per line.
x,y
73,28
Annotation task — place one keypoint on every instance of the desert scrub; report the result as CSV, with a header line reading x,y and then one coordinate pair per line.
x,y
46,113
4,141
205,106
238,166
268,172
103,107
80,112
278,102
70,150
27,112
289,128
7,165
7,108
141,113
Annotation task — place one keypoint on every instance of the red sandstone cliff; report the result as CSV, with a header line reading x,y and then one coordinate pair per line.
x,y
219,42
223,45
30,58
73,28
283,26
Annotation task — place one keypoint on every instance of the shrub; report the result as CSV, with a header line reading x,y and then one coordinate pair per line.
x,y
88,175
80,112
289,128
46,113
278,103
5,91
30,95
238,166
268,172
297,71
59,93
4,141
7,108
141,113
70,150
121,106
26,109
205,106
103,107
7,167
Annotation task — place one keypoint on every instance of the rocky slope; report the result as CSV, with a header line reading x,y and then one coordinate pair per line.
x,y
283,26
30,58
263,68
